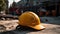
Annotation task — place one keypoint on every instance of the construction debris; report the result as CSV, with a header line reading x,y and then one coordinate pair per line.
x,y
8,25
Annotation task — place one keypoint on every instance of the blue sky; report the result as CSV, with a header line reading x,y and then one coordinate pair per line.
x,y
10,1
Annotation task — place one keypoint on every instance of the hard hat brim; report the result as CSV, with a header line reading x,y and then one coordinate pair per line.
x,y
38,27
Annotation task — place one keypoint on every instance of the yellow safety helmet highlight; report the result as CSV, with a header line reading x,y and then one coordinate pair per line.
x,y
30,19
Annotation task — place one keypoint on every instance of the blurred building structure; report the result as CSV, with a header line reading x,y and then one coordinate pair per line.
x,y
13,8
51,6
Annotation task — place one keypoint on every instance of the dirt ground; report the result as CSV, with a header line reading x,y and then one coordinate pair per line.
x,y
50,29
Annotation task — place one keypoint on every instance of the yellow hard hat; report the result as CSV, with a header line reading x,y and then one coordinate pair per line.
x,y
30,19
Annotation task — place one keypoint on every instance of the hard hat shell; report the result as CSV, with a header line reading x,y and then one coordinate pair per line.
x,y
30,19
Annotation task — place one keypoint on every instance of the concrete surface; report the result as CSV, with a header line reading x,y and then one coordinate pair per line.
x,y
52,27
